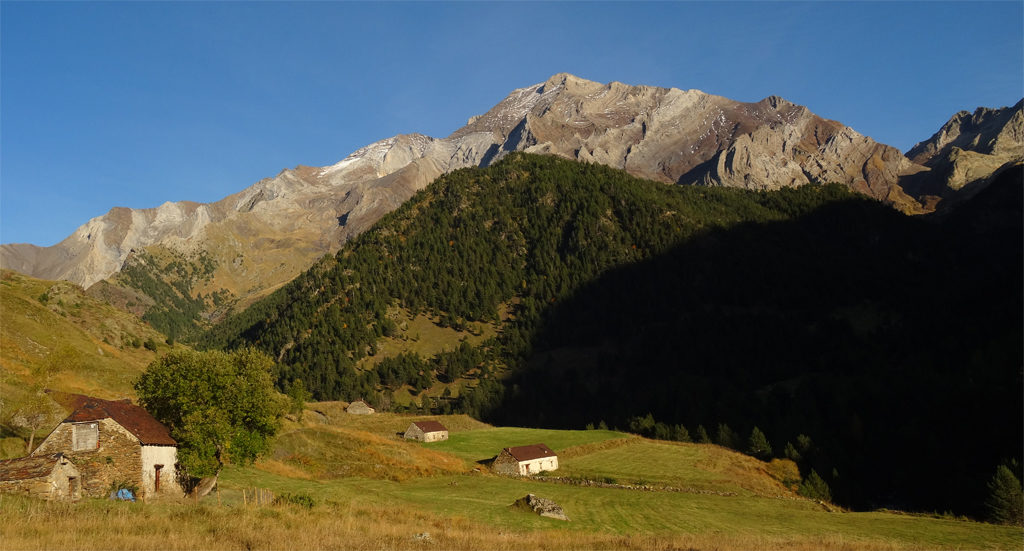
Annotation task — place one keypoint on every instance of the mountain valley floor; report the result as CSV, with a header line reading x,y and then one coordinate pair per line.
x,y
387,493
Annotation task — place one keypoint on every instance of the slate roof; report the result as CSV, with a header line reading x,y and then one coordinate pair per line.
x,y
526,453
430,426
26,468
134,418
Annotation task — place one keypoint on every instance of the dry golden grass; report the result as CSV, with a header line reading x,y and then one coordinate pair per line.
x,y
54,335
31,525
326,452
382,424
376,491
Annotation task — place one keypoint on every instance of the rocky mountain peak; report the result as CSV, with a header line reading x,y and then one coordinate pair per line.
x,y
986,131
265,234
968,149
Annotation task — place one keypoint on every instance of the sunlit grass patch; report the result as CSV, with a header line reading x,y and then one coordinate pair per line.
x,y
484,444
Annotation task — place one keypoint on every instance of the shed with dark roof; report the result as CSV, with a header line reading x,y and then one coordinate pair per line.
x,y
46,476
112,441
525,460
426,431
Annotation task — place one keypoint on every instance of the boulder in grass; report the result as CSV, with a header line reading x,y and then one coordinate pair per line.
x,y
542,506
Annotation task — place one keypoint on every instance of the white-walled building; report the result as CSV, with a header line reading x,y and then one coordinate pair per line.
x,y
525,460
426,431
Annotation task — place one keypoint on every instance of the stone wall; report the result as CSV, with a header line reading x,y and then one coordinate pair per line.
x,y
414,433
117,458
505,464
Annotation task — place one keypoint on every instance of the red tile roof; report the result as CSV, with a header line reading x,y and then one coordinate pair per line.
x,y
134,418
526,453
430,426
25,468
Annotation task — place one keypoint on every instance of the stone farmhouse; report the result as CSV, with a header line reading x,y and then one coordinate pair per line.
x,y
360,407
525,460
46,476
426,431
115,441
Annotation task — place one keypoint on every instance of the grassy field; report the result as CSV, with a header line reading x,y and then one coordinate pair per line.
x,y
382,424
373,490
44,319
483,444
693,467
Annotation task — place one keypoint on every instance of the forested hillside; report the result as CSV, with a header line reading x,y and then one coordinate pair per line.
x,y
523,234
884,350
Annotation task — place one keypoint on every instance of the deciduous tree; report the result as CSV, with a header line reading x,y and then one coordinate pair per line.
x,y
220,407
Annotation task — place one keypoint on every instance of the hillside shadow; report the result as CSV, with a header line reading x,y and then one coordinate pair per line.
x,y
881,336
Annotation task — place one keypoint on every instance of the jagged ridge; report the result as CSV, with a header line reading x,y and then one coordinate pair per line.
x,y
263,236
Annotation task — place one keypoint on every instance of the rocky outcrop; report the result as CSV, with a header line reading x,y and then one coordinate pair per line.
x,y
968,149
690,137
986,131
542,506
261,237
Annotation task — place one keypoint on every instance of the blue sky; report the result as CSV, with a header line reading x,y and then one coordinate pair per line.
x,y
137,103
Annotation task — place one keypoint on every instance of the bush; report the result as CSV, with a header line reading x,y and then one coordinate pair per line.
x,y
786,472
302,500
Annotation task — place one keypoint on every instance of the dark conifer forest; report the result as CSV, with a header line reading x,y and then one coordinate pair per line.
x,y
880,351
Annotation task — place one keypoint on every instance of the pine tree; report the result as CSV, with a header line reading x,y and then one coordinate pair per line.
x,y
791,453
814,487
680,434
702,435
1005,503
725,437
758,446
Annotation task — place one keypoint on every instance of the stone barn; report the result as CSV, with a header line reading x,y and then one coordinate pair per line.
x,y
45,476
525,460
426,431
360,407
115,441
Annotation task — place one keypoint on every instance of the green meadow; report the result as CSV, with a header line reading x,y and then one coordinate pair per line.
x,y
371,489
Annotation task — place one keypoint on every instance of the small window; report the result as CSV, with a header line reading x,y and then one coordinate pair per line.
x,y
85,436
